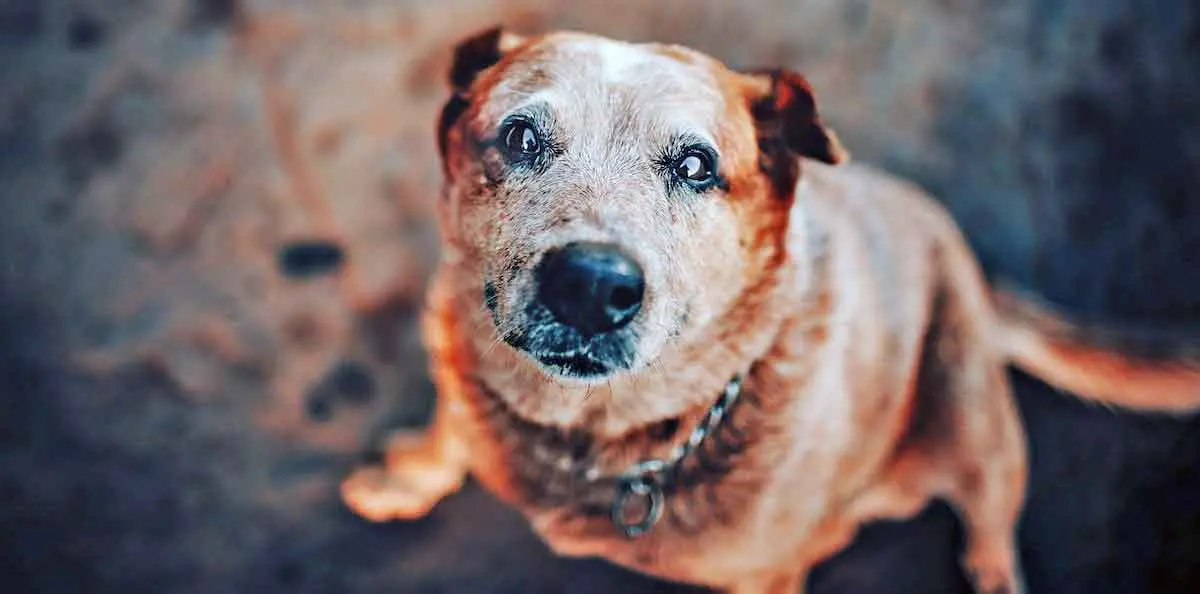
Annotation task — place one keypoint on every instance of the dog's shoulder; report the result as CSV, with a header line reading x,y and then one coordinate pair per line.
x,y
888,248
858,189
888,228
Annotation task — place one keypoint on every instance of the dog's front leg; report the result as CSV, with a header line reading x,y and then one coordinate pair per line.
x,y
779,583
420,467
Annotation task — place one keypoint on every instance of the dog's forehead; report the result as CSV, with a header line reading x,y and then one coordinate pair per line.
x,y
633,65
577,74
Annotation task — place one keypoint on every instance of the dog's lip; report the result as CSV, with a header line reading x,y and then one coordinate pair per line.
x,y
576,365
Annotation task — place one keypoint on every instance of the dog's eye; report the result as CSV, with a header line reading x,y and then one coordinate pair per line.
x,y
522,141
695,167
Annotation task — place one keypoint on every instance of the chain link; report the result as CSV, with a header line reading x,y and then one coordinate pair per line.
x,y
644,482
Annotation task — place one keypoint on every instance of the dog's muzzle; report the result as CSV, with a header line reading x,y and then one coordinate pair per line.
x,y
577,320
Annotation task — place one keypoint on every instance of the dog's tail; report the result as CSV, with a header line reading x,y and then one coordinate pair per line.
x,y
1128,369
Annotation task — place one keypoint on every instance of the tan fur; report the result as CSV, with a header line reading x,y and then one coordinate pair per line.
x,y
874,362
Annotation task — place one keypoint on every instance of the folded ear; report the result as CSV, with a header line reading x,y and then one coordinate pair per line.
x,y
787,125
471,56
478,53
785,110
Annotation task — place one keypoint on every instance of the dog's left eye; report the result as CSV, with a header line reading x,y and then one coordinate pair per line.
x,y
521,141
695,167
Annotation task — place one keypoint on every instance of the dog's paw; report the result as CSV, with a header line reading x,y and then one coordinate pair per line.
x,y
995,574
406,488
1001,589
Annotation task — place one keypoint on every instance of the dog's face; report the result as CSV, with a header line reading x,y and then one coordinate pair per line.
x,y
616,197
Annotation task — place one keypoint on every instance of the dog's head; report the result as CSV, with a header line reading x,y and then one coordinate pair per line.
x,y
615,197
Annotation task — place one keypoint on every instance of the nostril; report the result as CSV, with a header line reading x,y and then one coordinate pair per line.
x,y
625,298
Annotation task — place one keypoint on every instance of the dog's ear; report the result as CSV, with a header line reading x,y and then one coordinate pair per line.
x,y
471,56
787,125
785,110
478,53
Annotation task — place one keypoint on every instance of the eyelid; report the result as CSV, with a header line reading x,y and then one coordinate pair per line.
x,y
536,115
518,118
509,122
704,150
684,146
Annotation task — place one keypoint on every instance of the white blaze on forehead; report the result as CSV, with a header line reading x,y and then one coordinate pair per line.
x,y
583,71
619,61
625,64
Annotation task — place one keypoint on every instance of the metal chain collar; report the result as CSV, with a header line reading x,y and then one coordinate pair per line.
x,y
643,482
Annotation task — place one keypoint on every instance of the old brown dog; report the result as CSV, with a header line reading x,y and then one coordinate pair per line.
x,y
635,235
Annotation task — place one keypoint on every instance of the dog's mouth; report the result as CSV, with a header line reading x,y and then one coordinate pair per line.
x,y
565,363
577,366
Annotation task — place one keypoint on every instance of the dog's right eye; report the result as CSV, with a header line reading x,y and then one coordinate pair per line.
x,y
696,169
521,141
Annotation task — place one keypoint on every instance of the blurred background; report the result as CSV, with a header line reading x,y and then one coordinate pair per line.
x,y
215,230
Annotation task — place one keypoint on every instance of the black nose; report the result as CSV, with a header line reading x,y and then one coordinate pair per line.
x,y
590,287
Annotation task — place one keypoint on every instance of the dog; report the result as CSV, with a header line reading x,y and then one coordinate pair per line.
x,y
674,327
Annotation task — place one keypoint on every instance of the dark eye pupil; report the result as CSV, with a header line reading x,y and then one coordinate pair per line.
x,y
522,139
694,168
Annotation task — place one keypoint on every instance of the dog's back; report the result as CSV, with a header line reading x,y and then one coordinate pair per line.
x,y
1130,368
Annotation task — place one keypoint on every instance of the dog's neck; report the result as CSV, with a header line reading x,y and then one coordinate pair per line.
x,y
576,473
